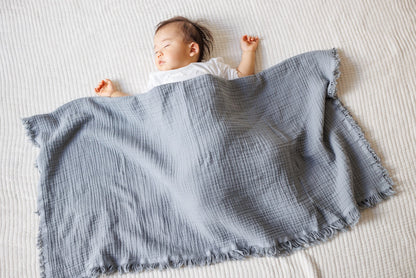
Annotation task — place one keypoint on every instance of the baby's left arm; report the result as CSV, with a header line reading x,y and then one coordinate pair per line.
x,y
248,46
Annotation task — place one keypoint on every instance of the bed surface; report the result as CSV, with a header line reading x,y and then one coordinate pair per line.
x,y
52,53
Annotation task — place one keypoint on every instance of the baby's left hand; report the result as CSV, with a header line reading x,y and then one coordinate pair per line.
x,y
249,43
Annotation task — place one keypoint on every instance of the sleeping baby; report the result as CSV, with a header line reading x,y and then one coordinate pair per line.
x,y
180,48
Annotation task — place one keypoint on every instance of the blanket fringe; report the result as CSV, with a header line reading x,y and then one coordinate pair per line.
x,y
41,243
357,129
243,250
31,134
376,198
30,131
332,88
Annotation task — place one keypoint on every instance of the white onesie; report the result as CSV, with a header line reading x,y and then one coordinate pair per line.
x,y
215,66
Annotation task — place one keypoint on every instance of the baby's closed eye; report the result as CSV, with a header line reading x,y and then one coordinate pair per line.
x,y
162,47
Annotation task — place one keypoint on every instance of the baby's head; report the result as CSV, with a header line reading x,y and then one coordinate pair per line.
x,y
179,42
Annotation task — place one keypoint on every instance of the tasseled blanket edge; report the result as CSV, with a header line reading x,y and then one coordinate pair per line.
x,y
30,134
242,252
30,131
332,89
41,243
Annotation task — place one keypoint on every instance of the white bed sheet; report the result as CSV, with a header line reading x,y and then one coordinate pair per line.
x,y
52,52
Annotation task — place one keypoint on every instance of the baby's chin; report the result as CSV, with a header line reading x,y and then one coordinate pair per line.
x,y
165,67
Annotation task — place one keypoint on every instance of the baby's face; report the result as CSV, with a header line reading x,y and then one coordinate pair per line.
x,y
171,52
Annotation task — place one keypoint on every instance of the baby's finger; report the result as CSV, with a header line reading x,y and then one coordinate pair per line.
x,y
253,38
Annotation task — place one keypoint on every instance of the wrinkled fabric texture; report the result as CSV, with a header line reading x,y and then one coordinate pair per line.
x,y
201,171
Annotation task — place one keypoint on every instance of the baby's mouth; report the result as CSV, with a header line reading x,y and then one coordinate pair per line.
x,y
161,62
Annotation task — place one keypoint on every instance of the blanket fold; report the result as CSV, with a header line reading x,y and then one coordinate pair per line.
x,y
201,171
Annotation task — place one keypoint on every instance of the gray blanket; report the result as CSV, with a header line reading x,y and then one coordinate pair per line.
x,y
201,171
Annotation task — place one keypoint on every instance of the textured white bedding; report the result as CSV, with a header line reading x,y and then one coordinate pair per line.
x,y
52,52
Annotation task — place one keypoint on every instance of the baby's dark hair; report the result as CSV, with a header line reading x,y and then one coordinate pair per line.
x,y
192,31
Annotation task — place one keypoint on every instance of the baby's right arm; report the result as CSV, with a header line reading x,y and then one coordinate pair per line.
x,y
106,88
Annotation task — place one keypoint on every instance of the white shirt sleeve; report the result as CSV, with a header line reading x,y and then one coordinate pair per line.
x,y
224,70
152,82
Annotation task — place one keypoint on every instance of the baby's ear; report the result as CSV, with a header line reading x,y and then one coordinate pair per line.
x,y
193,49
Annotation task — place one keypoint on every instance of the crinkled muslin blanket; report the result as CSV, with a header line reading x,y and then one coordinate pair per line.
x,y
201,171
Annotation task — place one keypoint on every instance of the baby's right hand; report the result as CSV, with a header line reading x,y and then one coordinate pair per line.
x,y
105,88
